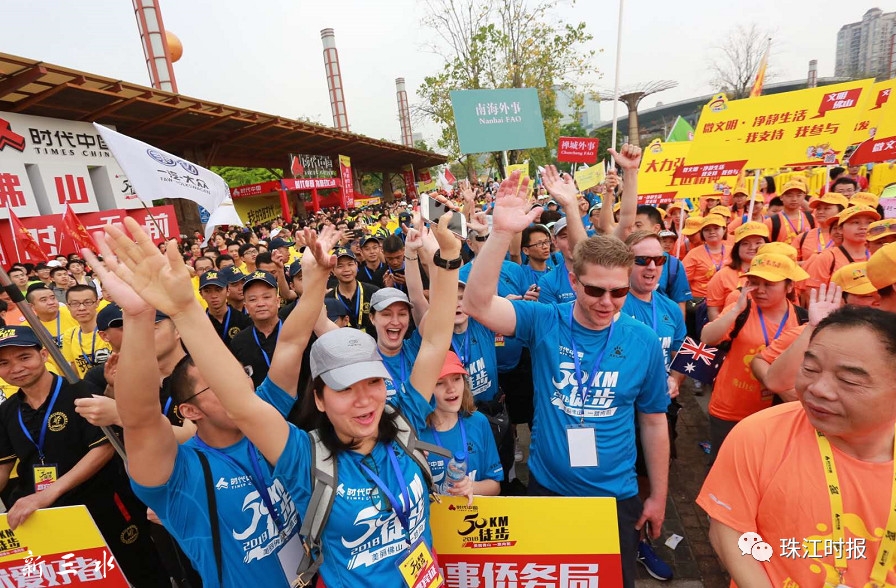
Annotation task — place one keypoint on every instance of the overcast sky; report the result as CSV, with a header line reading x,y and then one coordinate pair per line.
x,y
266,55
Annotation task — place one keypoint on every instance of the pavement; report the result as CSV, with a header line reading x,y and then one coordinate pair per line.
x,y
693,560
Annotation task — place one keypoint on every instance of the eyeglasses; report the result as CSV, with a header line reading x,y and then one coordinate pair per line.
x,y
84,304
598,292
646,259
377,499
189,398
545,243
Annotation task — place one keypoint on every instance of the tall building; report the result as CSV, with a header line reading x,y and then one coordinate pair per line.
x,y
589,116
868,47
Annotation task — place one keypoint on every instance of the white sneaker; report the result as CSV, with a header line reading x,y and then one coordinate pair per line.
x,y
517,451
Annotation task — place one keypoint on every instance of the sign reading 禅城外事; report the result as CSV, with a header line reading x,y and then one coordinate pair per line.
x,y
497,120
577,149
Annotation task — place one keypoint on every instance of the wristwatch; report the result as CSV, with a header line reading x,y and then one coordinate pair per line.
x,y
481,237
448,264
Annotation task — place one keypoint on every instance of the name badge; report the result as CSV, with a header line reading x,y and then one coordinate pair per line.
x,y
582,443
499,340
44,476
419,569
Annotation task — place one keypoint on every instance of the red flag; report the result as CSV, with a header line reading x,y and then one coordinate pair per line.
x,y
23,237
73,228
449,177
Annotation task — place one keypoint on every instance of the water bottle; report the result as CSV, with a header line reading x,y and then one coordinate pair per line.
x,y
455,471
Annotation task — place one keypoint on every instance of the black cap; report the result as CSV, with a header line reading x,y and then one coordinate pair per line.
x,y
109,316
260,276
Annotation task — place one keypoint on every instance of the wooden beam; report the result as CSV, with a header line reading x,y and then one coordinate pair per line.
x,y
21,79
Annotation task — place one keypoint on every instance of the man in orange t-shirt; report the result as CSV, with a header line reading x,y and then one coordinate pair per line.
x,y
791,221
771,477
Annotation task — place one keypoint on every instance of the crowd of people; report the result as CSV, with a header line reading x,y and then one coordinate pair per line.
x,y
290,396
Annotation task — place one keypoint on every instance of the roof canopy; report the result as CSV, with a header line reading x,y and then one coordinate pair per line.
x,y
215,134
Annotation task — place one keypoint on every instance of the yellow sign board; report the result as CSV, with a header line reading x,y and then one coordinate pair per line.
x,y
801,128
882,144
590,177
57,546
531,538
259,209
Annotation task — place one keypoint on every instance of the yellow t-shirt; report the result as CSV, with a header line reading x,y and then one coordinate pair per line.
x,y
199,297
58,329
84,350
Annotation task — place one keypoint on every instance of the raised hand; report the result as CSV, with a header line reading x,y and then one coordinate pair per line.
x,y
122,293
478,222
560,186
823,301
449,243
162,280
512,209
628,158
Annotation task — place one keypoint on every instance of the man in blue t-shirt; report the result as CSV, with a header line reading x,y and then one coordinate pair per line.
x,y
594,370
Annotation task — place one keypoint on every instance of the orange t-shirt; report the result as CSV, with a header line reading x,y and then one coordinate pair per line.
x,y
788,231
769,479
722,284
684,248
780,345
737,393
823,265
14,316
701,266
814,243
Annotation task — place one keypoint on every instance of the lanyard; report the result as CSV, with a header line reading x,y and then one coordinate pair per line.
x,y
463,434
43,428
401,510
355,318
888,540
58,328
404,367
264,354
466,354
795,231
167,405
370,275
820,249
255,476
653,308
580,380
92,348
780,327
713,261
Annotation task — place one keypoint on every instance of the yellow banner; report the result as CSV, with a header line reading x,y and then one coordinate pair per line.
x,y
429,186
523,168
656,181
61,545
258,209
801,128
590,177
882,145
372,201
555,536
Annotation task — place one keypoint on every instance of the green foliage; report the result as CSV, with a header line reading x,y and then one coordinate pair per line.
x,y
504,44
241,176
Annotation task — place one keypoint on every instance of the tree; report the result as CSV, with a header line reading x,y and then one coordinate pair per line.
x,y
737,60
504,44
241,176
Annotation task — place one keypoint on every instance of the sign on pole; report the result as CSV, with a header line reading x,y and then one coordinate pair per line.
x,y
577,149
507,541
881,146
801,128
497,120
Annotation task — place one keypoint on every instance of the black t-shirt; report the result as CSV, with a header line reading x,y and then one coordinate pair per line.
x,y
305,372
358,306
255,351
234,321
373,276
69,438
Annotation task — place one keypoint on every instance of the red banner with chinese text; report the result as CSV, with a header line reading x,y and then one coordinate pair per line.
x,y
577,149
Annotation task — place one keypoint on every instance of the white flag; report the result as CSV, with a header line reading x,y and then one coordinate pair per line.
x,y
156,174
225,214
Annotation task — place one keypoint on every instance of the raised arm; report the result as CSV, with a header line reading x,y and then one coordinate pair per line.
x,y
152,446
436,338
630,160
717,331
420,242
296,331
164,283
563,190
606,222
511,216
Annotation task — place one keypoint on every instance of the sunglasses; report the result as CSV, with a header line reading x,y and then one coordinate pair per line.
x,y
646,259
598,292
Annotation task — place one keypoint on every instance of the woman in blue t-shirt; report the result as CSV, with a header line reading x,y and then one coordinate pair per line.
x,y
456,426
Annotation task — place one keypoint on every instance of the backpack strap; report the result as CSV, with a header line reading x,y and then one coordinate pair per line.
x,y
212,514
811,220
324,479
799,251
802,315
776,226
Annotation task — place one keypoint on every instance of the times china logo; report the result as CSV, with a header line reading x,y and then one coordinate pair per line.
x,y
9,138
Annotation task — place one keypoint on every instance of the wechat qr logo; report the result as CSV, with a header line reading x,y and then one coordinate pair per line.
x,y
752,544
